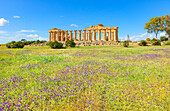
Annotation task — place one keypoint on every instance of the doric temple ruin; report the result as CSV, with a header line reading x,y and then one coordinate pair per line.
x,y
89,34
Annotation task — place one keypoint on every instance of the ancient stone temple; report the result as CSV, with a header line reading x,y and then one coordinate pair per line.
x,y
88,34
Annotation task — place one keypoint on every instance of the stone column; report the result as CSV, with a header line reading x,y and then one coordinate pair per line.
x,y
55,36
84,35
109,35
90,35
79,35
62,35
58,35
94,35
49,36
115,35
52,36
112,36
104,34
66,35
99,35
75,35
71,35
87,36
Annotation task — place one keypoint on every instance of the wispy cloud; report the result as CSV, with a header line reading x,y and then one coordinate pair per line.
x,y
3,32
34,36
3,22
144,36
74,25
26,31
16,16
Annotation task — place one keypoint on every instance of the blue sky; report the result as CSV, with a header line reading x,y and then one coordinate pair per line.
x,y
31,19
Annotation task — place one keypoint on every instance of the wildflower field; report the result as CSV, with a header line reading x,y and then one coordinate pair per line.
x,y
98,78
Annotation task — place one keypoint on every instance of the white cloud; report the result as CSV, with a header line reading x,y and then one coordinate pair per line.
x,y
27,31
144,36
3,22
162,34
74,25
35,36
16,16
3,32
42,38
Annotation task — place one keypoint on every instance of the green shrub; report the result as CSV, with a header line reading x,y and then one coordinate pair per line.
x,y
14,44
70,43
8,45
164,38
56,45
19,44
168,43
125,43
142,43
155,41
148,39
48,43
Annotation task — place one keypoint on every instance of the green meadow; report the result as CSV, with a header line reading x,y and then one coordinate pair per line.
x,y
99,78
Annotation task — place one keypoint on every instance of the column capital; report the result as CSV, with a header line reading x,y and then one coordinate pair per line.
x,y
84,30
70,30
75,30
79,30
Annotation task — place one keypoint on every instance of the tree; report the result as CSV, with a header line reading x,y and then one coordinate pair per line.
x,y
23,40
153,25
148,39
165,25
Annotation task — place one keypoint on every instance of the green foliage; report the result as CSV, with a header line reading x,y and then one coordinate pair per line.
x,y
163,38
70,43
142,43
155,42
14,44
48,43
23,40
56,45
165,24
168,43
32,42
126,43
148,39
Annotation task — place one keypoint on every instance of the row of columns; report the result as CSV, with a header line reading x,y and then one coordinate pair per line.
x,y
112,35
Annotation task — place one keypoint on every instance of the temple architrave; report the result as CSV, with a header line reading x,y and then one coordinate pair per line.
x,y
88,34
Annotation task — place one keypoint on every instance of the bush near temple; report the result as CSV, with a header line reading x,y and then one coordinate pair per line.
x,y
163,38
148,39
155,41
142,43
125,43
56,45
48,43
32,42
168,43
14,44
70,43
